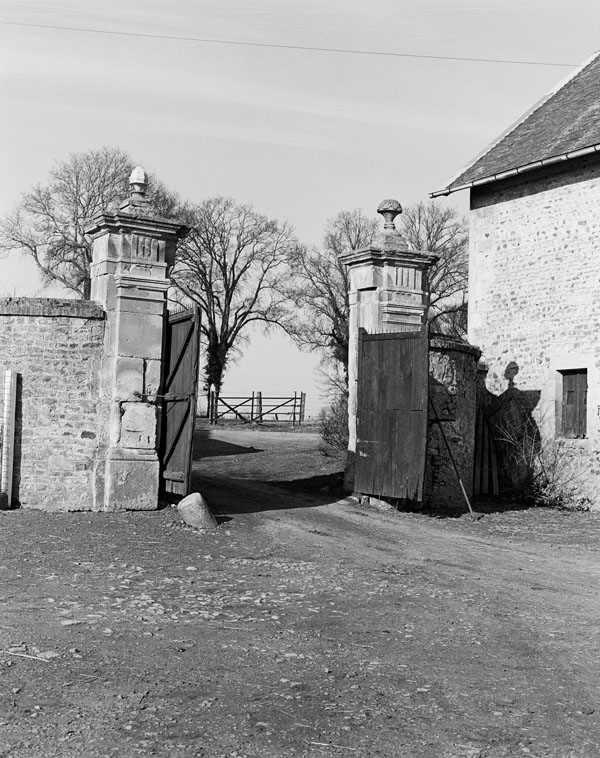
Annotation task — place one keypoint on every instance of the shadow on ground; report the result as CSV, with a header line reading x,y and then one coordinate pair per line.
x,y
233,497
206,446
482,506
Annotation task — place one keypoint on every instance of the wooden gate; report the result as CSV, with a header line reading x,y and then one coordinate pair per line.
x,y
180,379
393,374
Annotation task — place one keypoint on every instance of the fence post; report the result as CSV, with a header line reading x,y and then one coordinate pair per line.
x,y
259,407
7,436
302,406
212,414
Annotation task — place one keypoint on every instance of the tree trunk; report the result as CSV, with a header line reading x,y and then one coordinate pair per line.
x,y
87,289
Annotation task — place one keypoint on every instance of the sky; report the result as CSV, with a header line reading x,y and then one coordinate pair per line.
x,y
259,114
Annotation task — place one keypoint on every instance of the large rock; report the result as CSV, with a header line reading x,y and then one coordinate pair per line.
x,y
195,512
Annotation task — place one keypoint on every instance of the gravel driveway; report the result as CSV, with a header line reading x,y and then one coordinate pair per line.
x,y
304,625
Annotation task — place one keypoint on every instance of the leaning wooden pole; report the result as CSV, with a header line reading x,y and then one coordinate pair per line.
x,y
454,466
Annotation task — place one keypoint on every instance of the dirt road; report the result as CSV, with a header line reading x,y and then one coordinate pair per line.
x,y
304,625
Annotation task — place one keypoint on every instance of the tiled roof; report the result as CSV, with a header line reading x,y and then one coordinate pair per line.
x,y
565,121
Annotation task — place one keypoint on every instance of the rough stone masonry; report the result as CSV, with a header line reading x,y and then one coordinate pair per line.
x,y
534,305
56,347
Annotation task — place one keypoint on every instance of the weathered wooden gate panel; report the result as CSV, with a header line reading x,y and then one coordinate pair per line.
x,y
180,377
392,414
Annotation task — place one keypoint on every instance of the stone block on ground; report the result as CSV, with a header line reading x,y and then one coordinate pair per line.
x,y
194,510
131,480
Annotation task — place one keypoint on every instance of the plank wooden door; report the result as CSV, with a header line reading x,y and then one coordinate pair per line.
x,y
392,414
180,378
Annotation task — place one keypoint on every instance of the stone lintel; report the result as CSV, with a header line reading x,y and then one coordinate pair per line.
x,y
394,310
127,282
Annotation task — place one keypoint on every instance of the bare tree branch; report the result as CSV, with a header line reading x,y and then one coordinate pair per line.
x,y
231,264
440,230
319,289
50,221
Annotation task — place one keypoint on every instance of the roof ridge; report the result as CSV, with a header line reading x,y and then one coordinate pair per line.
x,y
536,106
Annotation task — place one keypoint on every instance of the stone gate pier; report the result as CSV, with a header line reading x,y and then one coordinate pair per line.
x,y
389,293
133,250
89,372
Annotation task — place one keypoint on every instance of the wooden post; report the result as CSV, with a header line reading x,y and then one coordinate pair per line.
x,y
259,407
302,405
212,406
294,409
252,408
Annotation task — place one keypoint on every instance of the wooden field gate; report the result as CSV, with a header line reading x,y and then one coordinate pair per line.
x,y
393,375
178,413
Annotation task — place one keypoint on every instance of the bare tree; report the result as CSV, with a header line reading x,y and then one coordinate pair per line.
x,y
231,265
441,231
49,223
319,289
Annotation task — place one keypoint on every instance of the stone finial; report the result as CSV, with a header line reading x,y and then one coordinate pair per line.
x,y
137,203
138,181
389,209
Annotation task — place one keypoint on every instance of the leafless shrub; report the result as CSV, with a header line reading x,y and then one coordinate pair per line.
x,y
333,428
542,472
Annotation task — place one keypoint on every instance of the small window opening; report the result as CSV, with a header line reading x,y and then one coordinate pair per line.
x,y
573,422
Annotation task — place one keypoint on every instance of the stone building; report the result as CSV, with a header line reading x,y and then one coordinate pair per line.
x,y
534,274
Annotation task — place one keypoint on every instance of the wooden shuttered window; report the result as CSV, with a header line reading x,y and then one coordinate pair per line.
x,y
574,404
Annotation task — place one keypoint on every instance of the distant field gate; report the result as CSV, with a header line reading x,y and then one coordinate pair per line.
x,y
180,379
392,414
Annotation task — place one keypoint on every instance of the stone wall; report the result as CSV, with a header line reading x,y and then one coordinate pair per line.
x,y
534,294
56,348
452,413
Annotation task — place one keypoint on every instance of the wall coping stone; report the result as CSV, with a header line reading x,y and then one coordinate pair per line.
x,y
439,343
50,307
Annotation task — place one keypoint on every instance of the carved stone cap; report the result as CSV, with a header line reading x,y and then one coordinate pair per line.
x,y
126,221
136,215
389,238
389,209
388,255
389,247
